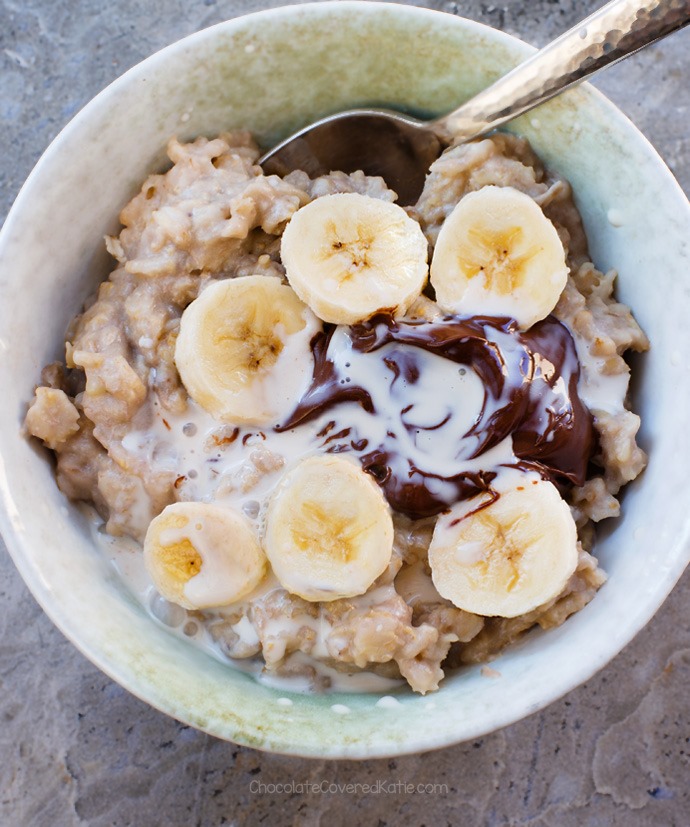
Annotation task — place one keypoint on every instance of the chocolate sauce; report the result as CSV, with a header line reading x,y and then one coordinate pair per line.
x,y
529,384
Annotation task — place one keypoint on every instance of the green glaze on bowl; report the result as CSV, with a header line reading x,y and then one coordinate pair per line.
x,y
273,72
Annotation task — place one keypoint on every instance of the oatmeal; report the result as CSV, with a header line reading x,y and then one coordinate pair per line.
x,y
329,464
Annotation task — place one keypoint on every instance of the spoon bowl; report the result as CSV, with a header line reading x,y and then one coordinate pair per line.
x,y
397,147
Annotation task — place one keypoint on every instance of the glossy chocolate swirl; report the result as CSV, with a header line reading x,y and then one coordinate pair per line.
x,y
529,393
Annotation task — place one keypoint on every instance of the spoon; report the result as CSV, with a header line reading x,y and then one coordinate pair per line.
x,y
401,148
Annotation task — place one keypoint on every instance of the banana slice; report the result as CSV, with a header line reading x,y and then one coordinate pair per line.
x,y
243,351
329,532
510,557
349,256
498,255
200,555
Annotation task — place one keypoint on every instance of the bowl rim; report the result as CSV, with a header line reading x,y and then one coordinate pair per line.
x,y
41,589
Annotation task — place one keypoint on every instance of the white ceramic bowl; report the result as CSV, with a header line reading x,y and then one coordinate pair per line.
x,y
272,72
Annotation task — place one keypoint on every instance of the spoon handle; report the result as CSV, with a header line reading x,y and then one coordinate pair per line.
x,y
615,31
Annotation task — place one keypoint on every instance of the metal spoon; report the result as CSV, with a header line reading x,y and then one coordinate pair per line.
x,y
401,148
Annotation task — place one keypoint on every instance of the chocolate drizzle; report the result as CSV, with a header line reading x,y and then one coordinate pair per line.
x,y
530,392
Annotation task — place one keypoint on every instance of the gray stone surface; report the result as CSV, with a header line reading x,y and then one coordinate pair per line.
x,y
77,749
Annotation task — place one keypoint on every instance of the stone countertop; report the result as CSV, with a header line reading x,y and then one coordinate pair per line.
x,y
76,749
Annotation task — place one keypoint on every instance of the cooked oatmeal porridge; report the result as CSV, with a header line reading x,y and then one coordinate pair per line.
x,y
332,439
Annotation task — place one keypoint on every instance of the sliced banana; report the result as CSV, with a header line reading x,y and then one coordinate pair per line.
x,y
349,256
329,532
200,555
243,351
498,255
510,557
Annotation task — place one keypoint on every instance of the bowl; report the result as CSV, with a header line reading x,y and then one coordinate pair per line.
x,y
274,71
